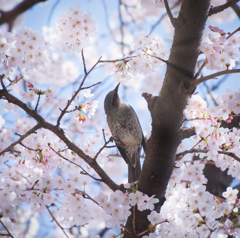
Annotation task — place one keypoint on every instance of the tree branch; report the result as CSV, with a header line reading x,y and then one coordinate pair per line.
x,y
60,133
172,19
182,154
84,63
214,10
125,59
76,93
236,9
150,100
187,132
57,222
211,76
84,171
10,16
35,128
161,18
104,146
167,110
9,233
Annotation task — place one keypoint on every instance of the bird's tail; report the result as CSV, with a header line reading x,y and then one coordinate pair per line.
x,y
134,173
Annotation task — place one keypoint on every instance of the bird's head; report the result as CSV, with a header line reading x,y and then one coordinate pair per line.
x,y
112,101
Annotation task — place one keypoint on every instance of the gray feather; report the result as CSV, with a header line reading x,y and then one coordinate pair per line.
x,y
126,131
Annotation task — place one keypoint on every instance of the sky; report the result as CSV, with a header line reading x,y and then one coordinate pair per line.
x,y
48,14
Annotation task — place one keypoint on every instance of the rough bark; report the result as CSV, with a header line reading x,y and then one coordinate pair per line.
x,y
218,180
167,109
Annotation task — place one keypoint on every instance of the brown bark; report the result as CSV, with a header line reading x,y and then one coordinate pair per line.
x,y
167,109
10,16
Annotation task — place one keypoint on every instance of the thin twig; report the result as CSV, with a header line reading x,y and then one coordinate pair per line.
x,y
165,61
102,232
104,136
17,173
161,18
38,126
73,110
125,59
211,76
76,93
134,219
9,233
104,146
84,63
62,136
56,221
34,184
85,172
180,155
200,69
172,19
152,228
210,93
238,29
85,195
128,231
37,102
231,154
36,150
91,85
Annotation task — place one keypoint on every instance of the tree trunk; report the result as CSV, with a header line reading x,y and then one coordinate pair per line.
x,y
167,109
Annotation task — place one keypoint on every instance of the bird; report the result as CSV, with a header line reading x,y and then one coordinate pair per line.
x,y
126,131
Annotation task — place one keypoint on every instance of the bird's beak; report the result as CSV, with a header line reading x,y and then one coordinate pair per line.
x,y
116,89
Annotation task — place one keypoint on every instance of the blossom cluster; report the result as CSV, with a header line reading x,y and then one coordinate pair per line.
x,y
196,107
210,134
221,52
83,108
41,171
33,91
194,212
118,207
148,48
75,29
227,104
191,211
59,70
31,177
26,49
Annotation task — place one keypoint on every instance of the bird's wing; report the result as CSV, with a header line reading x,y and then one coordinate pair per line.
x,y
143,139
123,154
